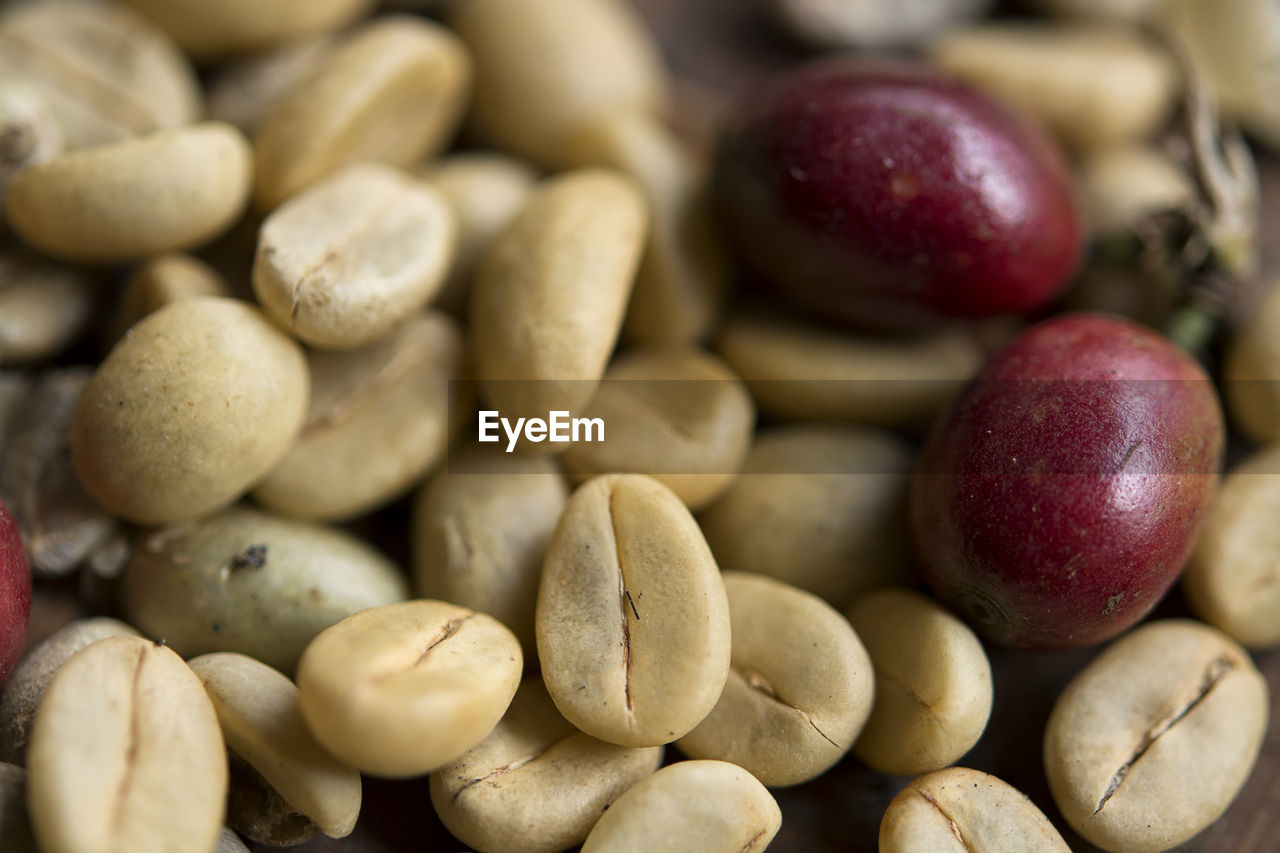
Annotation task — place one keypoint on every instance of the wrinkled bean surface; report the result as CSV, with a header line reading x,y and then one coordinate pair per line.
x,y
341,264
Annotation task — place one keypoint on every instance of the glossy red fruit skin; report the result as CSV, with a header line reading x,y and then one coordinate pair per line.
x,y
15,594
884,195
1060,497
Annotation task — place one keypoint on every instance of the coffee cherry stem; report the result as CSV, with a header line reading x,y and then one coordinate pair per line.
x,y
1212,250
1227,175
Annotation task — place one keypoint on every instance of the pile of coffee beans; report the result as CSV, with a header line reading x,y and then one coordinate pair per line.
x,y
392,392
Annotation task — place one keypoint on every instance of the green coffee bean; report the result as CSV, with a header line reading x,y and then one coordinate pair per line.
x,y
538,80
835,494
675,413
486,190
71,52
1233,581
391,91
245,581
211,28
560,273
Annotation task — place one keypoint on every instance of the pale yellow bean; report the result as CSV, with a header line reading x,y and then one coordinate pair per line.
x,y
801,372
207,29
1123,185
480,530
632,621
933,683
799,690
247,89
836,495
162,280
245,581
1120,10
27,682
126,755
487,191
673,412
44,305
1093,85
694,806
257,708
353,256
400,690
1231,44
684,273
1233,579
958,810
1151,742
549,297
536,784
1251,372
836,25
539,78
72,52
380,419
27,124
188,411
170,190
391,91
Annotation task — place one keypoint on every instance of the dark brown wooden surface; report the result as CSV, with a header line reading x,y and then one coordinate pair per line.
x,y
719,50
